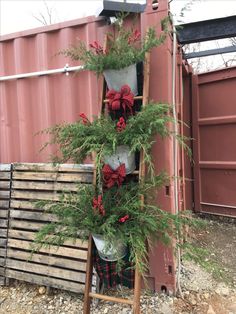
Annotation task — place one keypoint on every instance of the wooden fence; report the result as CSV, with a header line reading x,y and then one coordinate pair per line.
x,y
21,184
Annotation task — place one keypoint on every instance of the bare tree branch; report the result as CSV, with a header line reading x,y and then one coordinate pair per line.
x,y
47,17
233,41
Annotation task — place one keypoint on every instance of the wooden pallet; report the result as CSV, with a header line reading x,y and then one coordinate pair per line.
x,y
5,185
60,267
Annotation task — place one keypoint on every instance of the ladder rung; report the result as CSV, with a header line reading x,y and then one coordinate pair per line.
x,y
135,98
112,299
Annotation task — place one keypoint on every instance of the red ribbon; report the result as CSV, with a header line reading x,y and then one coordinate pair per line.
x,y
84,118
122,99
98,48
112,177
97,204
134,37
120,125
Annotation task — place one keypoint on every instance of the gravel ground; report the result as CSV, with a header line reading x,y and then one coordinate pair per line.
x,y
202,294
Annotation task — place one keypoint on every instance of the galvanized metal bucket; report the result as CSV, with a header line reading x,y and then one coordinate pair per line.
x,y
107,251
117,78
122,156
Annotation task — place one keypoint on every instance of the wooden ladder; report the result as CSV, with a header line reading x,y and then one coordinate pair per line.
x,y
88,295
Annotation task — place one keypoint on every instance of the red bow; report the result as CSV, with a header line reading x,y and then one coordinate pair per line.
x,y
124,98
123,219
97,204
111,177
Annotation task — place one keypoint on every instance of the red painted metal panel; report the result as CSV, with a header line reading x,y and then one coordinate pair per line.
x,y
31,104
187,131
162,259
215,134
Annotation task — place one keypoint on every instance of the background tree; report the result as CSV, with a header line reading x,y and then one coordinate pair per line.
x,y
47,16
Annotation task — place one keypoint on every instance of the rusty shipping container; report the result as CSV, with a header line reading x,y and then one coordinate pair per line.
x,y
28,105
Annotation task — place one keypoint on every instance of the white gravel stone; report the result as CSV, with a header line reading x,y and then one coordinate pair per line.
x,y
42,290
222,290
210,310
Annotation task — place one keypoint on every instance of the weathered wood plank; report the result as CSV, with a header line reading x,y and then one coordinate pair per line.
x,y
3,213
45,281
2,271
2,252
49,186
5,167
28,225
54,196
45,270
2,281
4,194
4,204
3,223
28,235
28,215
62,251
51,167
47,176
24,204
47,260
5,185
3,233
3,242
2,261
4,175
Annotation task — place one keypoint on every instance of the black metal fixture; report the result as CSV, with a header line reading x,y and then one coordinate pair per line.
x,y
196,32
111,8
207,30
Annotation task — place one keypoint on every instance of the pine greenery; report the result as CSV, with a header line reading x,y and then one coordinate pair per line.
x,y
76,141
123,49
76,215
146,224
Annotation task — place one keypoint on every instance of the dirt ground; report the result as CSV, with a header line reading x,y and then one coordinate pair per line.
x,y
220,239
202,293
215,293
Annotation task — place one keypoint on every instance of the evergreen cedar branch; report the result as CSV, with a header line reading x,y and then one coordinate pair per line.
x,y
78,140
122,214
77,218
123,49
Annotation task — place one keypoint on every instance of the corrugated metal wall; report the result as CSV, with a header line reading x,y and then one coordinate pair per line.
x,y
31,104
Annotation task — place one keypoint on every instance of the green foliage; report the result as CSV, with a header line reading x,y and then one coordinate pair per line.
x,y
194,250
77,140
124,48
203,257
146,223
75,211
